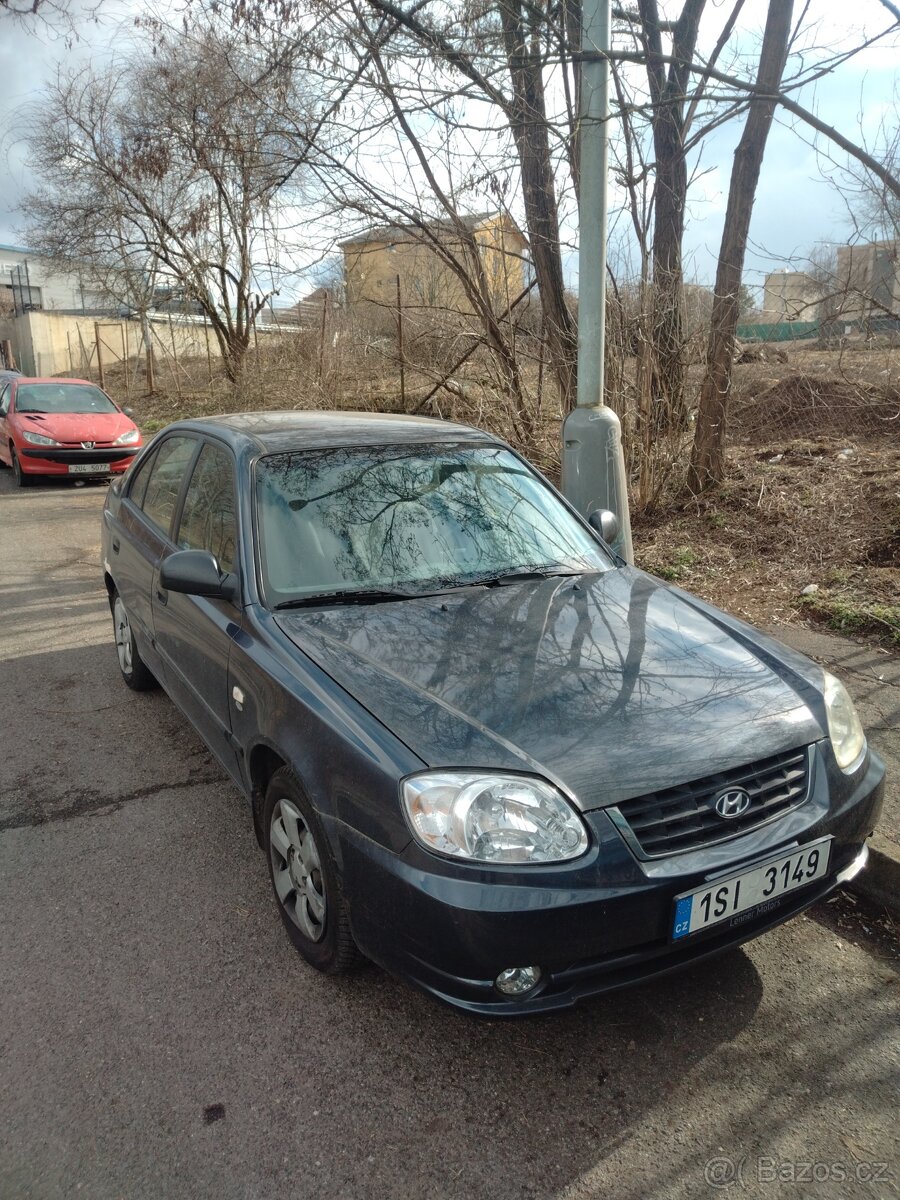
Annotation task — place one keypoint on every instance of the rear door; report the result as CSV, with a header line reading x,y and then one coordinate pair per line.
x,y
142,532
194,633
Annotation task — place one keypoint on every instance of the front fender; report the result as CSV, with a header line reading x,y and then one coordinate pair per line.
x,y
349,763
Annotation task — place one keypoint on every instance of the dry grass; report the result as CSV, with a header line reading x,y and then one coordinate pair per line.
x,y
358,370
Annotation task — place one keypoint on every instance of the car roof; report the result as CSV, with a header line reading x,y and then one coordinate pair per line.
x,y
274,432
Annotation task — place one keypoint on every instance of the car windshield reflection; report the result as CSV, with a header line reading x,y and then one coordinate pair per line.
x,y
409,519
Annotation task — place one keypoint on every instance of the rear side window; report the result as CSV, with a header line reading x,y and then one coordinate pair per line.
x,y
140,477
166,478
207,518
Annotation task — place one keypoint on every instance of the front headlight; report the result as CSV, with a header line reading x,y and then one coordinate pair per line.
x,y
39,439
847,738
492,818
128,438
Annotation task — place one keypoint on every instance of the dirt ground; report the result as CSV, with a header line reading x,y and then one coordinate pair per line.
x,y
812,498
793,515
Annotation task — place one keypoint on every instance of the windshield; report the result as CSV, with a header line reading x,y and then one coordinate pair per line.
x,y
62,398
379,517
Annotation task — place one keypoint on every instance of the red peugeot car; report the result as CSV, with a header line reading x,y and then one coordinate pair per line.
x,y
63,427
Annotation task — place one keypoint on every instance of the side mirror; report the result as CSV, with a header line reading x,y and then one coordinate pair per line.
x,y
196,573
129,412
606,524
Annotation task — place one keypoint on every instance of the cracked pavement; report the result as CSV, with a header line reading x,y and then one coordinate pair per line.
x,y
160,1038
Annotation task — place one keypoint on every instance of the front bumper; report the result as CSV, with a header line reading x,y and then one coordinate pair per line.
x,y
48,460
599,923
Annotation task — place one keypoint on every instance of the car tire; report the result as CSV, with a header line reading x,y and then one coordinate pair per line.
x,y
21,479
305,878
134,670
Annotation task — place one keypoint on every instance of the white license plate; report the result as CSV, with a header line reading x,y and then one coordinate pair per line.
x,y
752,889
88,469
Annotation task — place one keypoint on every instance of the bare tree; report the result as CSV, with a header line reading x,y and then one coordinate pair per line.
x,y
668,93
882,203
60,16
95,247
708,454
686,97
859,281
175,164
466,44
507,71
871,189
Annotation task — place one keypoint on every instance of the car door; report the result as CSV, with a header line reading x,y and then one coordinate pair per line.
x,y
141,534
194,633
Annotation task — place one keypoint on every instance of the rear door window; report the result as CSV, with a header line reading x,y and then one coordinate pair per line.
x,y
139,475
166,477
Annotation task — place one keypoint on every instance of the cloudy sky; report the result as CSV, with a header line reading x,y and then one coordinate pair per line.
x,y
31,53
797,205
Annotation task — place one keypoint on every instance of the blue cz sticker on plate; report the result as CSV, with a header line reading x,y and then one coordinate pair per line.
x,y
683,917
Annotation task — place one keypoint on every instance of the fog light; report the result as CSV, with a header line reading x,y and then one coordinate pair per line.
x,y
516,981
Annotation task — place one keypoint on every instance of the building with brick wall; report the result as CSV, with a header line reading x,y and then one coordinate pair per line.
x,y
375,258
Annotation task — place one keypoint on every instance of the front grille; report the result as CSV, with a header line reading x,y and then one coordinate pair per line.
x,y
684,817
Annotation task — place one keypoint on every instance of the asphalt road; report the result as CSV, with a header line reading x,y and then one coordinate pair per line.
x,y
160,1038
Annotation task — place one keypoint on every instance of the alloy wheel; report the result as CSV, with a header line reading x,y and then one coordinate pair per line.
x,y
123,636
297,870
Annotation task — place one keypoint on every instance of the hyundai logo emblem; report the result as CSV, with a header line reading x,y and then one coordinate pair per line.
x,y
733,803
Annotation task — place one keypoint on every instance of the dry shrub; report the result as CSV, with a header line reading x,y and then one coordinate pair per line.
x,y
433,339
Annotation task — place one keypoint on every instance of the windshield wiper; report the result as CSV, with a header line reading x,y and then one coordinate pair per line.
x,y
526,576
372,596
379,595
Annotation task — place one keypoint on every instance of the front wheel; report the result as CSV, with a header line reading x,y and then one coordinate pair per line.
x,y
21,479
305,878
133,668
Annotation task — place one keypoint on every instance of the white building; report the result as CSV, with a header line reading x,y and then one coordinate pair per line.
x,y
30,282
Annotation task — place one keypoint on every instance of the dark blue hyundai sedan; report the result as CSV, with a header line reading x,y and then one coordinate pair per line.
x,y
478,748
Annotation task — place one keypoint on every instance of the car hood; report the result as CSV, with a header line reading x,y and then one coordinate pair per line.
x,y
77,427
612,686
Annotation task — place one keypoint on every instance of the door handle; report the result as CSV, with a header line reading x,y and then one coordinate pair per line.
x,y
162,597
115,546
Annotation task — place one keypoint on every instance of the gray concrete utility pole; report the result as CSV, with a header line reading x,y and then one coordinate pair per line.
x,y
593,465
